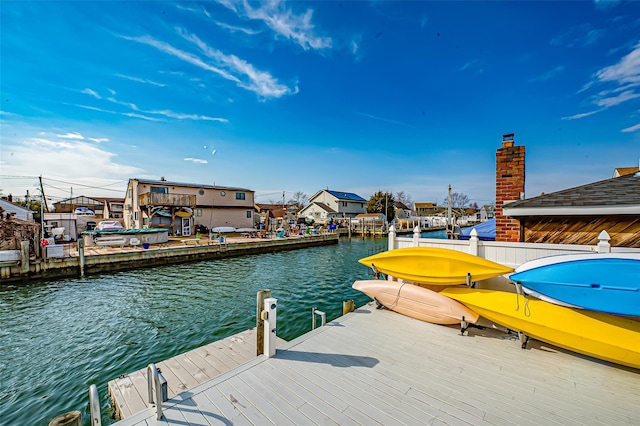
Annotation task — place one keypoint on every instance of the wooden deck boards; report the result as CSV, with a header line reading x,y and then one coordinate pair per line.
x,y
184,371
379,367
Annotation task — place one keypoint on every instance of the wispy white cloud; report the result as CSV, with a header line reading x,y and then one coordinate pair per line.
x,y
196,160
622,79
385,120
631,129
46,152
237,70
283,21
617,100
467,65
141,80
71,135
126,114
423,21
549,74
605,4
582,35
143,117
91,93
98,140
625,71
582,115
236,29
171,114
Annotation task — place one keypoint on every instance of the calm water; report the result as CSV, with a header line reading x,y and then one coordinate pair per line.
x,y
59,337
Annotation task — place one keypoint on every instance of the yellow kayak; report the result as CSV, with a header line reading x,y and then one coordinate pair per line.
x,y
431,265
603,336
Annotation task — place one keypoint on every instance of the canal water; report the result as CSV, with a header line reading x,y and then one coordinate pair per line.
x,y
59,337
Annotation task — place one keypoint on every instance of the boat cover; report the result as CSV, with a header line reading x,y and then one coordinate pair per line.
x,y
486,231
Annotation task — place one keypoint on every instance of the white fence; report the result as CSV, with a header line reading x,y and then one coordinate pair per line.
x,y
505,253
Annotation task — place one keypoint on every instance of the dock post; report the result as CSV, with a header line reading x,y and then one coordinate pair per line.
x,y
24,257
269,317
81,255
261,297
347,306
72,418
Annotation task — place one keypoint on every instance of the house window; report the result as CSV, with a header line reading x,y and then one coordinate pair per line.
x,y
240,196
135,216
159,189
248,214
197,212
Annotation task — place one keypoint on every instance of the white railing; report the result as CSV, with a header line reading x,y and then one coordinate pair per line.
x,y
506,253
94,403
153,381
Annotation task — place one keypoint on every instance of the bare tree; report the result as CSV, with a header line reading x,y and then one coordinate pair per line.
x,y
404,198
298,199
458,200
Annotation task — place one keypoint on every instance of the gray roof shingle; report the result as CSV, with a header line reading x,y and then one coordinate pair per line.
x,y
619,191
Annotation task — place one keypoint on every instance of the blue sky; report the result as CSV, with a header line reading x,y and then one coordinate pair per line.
x,y
301,96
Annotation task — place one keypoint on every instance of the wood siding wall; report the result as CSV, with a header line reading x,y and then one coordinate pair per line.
x,y
623,229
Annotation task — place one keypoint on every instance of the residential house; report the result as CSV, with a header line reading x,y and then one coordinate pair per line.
x,y
427,209
80,203
183,207
113,208
487,211
327,205
571,216
402,211
15,211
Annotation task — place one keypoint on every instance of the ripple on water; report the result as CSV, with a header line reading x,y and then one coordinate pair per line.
x,y
59,337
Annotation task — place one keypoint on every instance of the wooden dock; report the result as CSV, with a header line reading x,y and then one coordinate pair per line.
x,y
379,367
183,372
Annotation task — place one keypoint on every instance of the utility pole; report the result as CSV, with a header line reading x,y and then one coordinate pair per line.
x,y
44,199
449,206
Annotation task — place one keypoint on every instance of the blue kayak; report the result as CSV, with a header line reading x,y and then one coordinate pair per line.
x,y
598,283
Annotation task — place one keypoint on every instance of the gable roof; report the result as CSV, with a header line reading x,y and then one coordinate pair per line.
x,y
10,207
321,206
346,196
620,195
623,171
401,205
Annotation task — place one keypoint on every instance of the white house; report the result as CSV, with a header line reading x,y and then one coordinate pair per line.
x,y
16,211
327,204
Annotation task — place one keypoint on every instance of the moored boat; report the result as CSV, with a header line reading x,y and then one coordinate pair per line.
x,y
416,302
608,337
604,282
432,265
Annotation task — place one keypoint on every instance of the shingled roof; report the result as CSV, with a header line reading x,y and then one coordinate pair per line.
x,y
620,195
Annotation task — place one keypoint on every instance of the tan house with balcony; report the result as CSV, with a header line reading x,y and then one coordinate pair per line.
x,y
183,207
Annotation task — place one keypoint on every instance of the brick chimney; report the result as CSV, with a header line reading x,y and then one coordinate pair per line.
x,y
509,187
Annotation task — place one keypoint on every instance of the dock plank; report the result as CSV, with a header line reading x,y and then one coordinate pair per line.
x,y
378,367
185,371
